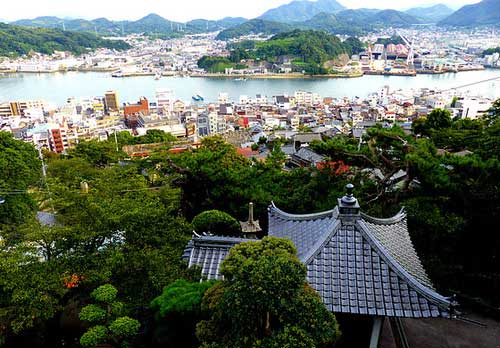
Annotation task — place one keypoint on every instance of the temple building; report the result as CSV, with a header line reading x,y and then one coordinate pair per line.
x,y
357,263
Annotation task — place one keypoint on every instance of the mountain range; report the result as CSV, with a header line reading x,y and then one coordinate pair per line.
x,y
347,22
301,10
432,14
325,15
150,24
487,12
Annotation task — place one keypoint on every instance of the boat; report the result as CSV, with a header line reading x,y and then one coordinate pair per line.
x,y
158,76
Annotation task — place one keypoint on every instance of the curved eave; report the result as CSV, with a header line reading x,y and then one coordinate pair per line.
x,y
273,210
431,295
389,221
216,240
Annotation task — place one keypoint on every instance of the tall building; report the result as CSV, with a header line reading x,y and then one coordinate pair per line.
x,y
111,99
164,101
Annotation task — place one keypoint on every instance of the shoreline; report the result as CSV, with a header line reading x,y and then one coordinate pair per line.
x,y
249,76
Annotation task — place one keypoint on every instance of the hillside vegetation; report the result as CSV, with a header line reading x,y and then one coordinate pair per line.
x,y
16,40
307,50
348,22
486,12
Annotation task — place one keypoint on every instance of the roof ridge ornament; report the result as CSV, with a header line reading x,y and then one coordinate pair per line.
x,y
348,205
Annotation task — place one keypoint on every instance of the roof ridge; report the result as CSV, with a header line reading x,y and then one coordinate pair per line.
x,y
220,240
319,245
400,216
398,269
287,216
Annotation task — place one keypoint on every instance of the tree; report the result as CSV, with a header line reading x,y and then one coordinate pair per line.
x,y
20,169
216,222
99,153
264,301
177,311
110,325
439,119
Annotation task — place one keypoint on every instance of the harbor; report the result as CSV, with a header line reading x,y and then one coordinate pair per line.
x,y
20,86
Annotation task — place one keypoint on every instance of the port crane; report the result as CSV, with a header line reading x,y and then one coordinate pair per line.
x,y
411,51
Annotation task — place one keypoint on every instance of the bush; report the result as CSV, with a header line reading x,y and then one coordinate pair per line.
x,y
104,293
217,223
124,327
94,336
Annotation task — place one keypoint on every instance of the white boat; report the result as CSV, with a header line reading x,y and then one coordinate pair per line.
x,y
158,76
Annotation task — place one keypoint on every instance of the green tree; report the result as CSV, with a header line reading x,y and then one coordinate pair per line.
x,y
20,170
216,222
177,310
439,119
99,153
110,325
264,301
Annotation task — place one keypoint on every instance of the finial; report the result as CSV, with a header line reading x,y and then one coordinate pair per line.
x,y
349,197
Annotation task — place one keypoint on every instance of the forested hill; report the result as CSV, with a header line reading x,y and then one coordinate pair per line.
x,y
486,12
308,51
16,40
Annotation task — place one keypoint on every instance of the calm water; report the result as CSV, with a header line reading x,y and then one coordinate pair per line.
x,y
58,87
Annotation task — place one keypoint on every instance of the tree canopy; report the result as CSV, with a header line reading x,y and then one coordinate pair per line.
x,y
264,301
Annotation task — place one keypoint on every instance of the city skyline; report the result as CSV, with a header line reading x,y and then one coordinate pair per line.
x,y
185,11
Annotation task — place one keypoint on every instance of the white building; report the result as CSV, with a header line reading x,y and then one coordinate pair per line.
x,y
165,100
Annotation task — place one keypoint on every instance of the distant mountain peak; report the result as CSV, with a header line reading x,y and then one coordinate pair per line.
x,y
486,12
301,10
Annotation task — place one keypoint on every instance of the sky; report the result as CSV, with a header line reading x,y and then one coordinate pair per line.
x,y
176,10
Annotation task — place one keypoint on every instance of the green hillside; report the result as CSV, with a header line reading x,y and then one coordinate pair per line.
x,y
254,26
487,12
307,50
301,10
16,40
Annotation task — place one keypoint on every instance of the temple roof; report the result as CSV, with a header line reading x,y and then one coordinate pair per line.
x,y
357,263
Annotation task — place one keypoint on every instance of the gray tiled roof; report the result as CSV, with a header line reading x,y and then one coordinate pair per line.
x,y
354,275
208,252
358,264
394,236
303,230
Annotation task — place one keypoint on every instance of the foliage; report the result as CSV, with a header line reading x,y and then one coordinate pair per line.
x,y
491,51
264,300
254,26
177,310
124,327
215,64
18,40
110,326
105,293
99,153
216,222
152,136
309,49
20,169
94,336
181,297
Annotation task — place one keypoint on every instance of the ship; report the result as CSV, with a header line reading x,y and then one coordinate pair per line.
x,y
198,98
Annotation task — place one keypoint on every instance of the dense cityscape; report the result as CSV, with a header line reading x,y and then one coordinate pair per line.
x,y
318,176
